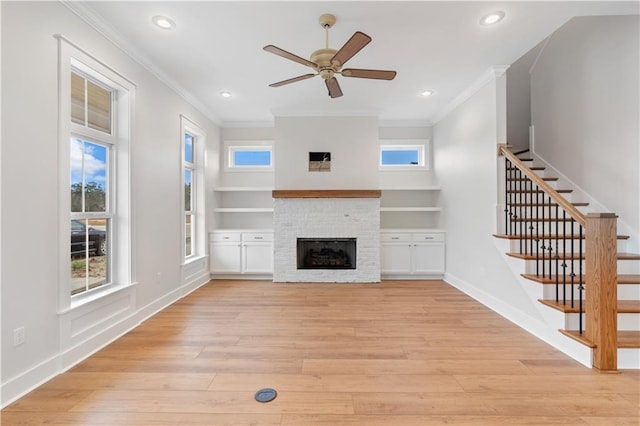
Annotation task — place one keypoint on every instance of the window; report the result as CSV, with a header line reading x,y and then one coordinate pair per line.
x,y
193,141
90,215
257,156
403,157
95,105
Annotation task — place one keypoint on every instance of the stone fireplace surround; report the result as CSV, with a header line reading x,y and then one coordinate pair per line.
x,y
332,213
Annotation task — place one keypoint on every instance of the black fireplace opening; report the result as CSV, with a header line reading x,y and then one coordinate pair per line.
x,y
326,253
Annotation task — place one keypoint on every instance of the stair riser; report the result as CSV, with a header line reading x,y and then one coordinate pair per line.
x,y
528,197
625,292
559,246
624,266
626,322
528,212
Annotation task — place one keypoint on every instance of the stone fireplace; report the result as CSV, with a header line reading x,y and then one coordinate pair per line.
x,y
338,232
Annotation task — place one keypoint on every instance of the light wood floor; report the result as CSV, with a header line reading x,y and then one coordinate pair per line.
x,y
399,353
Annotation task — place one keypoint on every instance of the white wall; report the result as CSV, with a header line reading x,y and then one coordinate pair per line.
x,y
519,99
585,109
30,287
465,143
352,142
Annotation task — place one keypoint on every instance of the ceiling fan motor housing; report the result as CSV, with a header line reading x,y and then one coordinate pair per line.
x,y
322,58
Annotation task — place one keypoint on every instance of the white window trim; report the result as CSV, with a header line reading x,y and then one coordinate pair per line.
x,y
230,147
422,145
198,190
72,56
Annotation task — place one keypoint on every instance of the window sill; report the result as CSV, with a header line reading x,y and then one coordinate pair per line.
x,y
83,300
193,259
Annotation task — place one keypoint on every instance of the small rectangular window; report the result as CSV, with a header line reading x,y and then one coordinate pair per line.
x,y
246,157
404,157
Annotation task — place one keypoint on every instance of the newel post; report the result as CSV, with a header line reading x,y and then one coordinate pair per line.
x,y
601,293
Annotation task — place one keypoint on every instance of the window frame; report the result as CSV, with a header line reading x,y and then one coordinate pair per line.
x,y
231,147
421,146
73,58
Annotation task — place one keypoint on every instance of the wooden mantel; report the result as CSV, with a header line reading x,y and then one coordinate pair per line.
x,y
326,193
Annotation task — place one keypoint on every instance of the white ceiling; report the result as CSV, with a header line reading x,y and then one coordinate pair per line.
x,y
440,46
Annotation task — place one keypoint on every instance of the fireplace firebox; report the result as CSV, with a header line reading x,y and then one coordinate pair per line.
x,y
326,253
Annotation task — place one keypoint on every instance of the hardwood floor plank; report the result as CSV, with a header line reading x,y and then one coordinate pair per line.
x,y
418,420
400,353
336,383
213,402
457,404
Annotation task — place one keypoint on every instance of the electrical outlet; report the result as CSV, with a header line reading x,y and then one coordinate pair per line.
x,y
18,336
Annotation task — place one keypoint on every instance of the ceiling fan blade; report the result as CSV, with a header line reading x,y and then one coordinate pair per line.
x,y
292,80
334,87
277,51
350,48
377,74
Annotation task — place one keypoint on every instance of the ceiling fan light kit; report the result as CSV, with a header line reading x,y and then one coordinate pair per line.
x,y
328,62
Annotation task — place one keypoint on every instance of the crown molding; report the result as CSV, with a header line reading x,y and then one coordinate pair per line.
x,y
96,22
488,76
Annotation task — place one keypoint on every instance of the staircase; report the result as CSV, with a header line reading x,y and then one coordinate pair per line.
x,y
572,262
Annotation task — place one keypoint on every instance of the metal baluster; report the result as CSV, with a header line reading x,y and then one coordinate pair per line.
x,y
550,238
543,248
533,215
573,274
507,165
557,255
580,286
537,233
564,261
521,219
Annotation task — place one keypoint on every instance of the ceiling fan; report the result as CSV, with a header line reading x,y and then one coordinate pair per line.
x,y
328,62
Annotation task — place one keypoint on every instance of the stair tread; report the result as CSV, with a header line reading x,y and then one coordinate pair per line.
x,y
621,279
624,306
570,256
522,151
626,339
548,237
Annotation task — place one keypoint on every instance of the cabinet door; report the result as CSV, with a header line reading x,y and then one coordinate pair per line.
x,y
395,258
225,257
428,258
258,258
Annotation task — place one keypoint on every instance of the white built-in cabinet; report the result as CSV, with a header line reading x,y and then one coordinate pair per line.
x,y
409,252
241,252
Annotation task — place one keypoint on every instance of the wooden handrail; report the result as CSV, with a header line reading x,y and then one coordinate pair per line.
x,y
562,202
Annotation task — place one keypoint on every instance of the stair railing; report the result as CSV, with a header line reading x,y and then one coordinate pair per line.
x,y
551,230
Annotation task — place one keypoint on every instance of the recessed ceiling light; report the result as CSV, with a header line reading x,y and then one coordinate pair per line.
x,y
426,93
225,94
492,18
163,22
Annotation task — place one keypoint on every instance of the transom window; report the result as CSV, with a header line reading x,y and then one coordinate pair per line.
x,y
249,157
403,157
